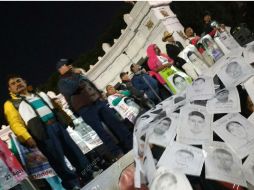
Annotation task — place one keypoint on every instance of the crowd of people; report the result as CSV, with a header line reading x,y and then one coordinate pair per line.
x,y
37,122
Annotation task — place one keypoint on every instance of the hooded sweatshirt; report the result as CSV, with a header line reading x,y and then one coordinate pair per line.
x,y
154,62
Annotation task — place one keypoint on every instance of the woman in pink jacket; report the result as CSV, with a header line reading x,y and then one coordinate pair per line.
x,y
158,61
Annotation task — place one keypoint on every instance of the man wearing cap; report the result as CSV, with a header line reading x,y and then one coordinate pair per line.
x,y
34,120
137,93
85,100
173,48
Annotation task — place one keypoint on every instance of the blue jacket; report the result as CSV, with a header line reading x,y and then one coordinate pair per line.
x,y
146,83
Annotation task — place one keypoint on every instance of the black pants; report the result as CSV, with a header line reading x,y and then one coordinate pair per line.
x,y
58,145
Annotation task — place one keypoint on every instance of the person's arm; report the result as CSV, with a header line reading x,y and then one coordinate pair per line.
x,y
17,124
67,88
160,68
125,93
138,83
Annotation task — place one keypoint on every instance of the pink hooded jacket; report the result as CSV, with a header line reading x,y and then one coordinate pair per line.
x,y
154,62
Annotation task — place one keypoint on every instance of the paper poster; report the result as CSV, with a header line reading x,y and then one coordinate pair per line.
x,y
88,135
248,169
175,79
251,118
248,53
149,164
249,86
37,165
183,158
175,103
222,164
164,131
201,88
234,71
224,101
166,179
7,180
228,40
199,65
237,132
211,47
194,125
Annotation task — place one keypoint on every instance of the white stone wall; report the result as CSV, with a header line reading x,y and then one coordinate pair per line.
x,y
146,24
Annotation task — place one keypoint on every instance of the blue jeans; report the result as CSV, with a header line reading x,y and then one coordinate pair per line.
x,y
58,145
99,111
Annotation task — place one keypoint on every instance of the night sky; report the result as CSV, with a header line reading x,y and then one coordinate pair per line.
x,y
34,35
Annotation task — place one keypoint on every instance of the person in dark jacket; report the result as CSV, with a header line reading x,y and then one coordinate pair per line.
x,y
36,123
137,94
85,100
144,82
173,48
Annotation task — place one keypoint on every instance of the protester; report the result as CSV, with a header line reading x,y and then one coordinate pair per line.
x,y
158,61
142,81
173,48
138,94
208,27
85,100
34,120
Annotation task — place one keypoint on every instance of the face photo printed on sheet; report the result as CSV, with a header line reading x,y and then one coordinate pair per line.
x,y
237,132
183,158
194,125
149,163
222,164
249,86
224,101
234,71
164,131
166,179
248,169
201,88
248,53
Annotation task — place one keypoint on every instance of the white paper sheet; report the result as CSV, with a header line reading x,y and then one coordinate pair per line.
x,y
183,158
234,71
169,180
225,101
201,89
251,118
194,125
249,86
248,169
237,132
222,164
248,53
164,131
149,164
212,48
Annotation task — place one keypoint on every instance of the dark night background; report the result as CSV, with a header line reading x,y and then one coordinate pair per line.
x,y
34,35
